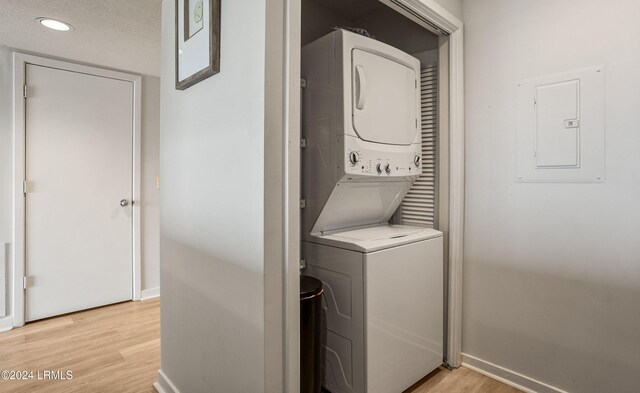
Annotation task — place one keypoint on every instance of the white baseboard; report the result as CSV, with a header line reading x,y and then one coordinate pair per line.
x,y
164,384
6,323
509,377
150,293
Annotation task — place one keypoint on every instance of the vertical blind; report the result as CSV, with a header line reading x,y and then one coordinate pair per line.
x,y
419,205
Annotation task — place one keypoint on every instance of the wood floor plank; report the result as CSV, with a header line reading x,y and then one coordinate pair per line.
x,y
109,349
142,348
117,349
460,380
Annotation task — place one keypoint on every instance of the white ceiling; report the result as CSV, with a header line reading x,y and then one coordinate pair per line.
x,y
121,34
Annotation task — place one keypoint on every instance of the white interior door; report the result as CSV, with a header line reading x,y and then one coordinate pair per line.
x,y
78,168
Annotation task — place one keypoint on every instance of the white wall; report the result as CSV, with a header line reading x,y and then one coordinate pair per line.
x,y
6,141
453,6
552,271
212,211
6,165
150,194
150,163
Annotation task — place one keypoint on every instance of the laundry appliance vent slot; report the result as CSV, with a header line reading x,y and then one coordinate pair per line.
x,y
419,205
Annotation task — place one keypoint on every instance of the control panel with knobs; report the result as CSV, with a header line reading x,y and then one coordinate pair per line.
x,y
360,161
387,168
354,157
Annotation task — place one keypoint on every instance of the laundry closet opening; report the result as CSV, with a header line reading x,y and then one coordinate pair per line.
x,y
374,181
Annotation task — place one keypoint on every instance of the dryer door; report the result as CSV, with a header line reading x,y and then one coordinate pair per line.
x,y
385,99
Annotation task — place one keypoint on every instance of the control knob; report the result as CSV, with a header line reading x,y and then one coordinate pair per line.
x,y
416,160
379,168
387,168
354,157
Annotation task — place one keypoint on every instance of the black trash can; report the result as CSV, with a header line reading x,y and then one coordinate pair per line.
x,y
310,334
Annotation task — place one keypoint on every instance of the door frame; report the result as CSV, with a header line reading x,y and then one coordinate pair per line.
x,y
284,66
20,61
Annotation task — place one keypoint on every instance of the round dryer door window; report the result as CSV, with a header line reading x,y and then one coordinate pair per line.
x,y
385,99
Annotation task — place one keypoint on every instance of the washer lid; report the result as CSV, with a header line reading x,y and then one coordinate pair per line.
x,y
385,98
377,237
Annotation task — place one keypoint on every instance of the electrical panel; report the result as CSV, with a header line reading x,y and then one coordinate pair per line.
x,y
561,128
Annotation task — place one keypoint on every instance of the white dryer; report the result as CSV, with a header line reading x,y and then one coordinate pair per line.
x,y
361,122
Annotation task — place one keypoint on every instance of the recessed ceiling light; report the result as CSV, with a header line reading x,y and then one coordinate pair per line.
x,y
54,24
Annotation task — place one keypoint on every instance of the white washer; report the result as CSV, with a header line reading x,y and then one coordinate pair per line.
x,y
383,288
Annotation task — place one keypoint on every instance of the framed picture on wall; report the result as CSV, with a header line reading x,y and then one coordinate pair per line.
x,y
197,41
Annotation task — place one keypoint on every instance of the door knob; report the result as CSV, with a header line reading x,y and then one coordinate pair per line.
x,y
124,203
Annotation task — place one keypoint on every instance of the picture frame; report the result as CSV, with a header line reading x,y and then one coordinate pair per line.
x,y
197,41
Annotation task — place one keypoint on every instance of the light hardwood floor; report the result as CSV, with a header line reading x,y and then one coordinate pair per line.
x,y
460,380
117,349
109,349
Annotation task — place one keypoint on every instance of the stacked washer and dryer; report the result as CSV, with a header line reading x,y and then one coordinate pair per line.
x,y
383,283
